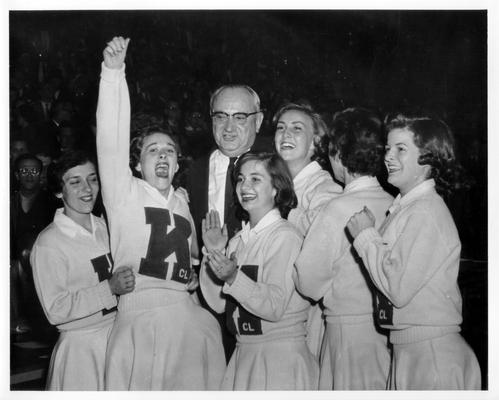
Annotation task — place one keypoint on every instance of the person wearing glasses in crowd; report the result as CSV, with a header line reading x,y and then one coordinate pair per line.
x,y
31,210
236,119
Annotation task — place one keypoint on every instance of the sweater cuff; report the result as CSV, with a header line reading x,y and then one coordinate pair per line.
x,y
242,287
365,237
112,75
107,298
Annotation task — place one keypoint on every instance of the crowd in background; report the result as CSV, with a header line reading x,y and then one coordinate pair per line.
x,y
55,56
54,81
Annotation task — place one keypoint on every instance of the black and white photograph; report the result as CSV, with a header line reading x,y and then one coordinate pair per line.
x,y
250,198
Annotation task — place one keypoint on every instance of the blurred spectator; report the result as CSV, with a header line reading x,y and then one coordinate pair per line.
x,y
44,155
43,105
48,131
18,146
197,139
31,210
68,137
26,123
173,117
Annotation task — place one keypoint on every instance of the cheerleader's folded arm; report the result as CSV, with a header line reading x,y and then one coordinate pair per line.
x,y
61,304
269,297
401,270
321,247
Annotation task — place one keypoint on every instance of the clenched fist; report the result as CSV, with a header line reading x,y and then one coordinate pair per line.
x,y
115,52
359,221
122,281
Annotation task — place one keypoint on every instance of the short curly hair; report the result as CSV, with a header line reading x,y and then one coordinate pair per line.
x,y
67,161
435,142
27,156
356,135
138,141
285,199
320,127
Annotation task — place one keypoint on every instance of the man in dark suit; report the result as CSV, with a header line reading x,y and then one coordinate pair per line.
x,y
236,119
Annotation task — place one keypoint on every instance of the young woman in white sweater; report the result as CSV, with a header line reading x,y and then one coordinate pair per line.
x,y
299,131
74,278
252,281
354,353
413,260
162,339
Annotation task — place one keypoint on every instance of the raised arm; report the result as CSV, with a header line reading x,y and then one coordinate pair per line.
x,y
113,124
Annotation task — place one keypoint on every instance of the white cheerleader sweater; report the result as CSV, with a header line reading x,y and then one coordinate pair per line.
x,y
313,188
414,262
327,265
150,233
262,303
71,267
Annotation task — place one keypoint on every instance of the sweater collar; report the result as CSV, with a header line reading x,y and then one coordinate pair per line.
x,y
361,183
70,227
414,194
309,170
268,219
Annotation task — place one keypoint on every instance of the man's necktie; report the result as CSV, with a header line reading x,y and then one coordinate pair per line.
x,y
229,216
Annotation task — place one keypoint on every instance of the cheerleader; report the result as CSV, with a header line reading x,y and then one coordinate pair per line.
x,y
414,261
298,140
252,281
73,277
162,339
354,354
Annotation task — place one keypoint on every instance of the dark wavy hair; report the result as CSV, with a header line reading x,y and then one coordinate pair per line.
x,y
138,141
285,199
356,135
27,156
67,161
436,144
320,128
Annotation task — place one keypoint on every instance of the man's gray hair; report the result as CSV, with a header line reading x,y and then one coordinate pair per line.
x,y
256,98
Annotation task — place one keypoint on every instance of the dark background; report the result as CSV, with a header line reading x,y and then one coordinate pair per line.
x,y
390,61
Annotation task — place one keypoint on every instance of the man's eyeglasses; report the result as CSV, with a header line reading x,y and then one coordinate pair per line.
x,y
30,171
220,117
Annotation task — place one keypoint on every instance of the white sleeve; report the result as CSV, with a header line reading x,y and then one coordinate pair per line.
x,y
314,266
269,298
212,290
304,214
61,305
113,136
400,271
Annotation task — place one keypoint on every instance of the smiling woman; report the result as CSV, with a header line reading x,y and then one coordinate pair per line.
x,y
159,325
74,180
298,140
74,278
263,309
79,192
